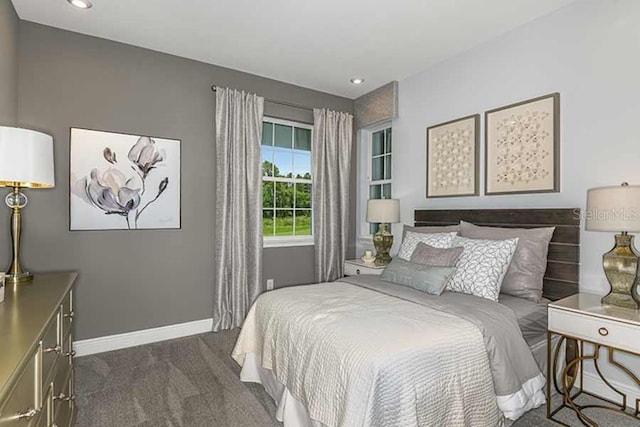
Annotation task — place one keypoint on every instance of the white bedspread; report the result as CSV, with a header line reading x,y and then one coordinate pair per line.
x,y
356,357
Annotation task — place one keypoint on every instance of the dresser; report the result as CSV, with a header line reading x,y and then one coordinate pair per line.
x,y
36,355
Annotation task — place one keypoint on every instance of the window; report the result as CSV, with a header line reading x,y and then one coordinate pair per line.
x,y
287,181
379,160
375,167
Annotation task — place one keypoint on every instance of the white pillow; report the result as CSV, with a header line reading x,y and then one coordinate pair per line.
x,y
411,240
482,266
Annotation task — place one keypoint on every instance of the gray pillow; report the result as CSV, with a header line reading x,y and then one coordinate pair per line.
x,y
524,278
428,255
424,278
430,229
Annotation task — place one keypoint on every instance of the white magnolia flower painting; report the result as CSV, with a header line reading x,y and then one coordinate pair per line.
x,y
123,182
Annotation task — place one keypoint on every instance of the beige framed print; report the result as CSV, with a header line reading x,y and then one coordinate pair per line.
x,y
522,147
453,153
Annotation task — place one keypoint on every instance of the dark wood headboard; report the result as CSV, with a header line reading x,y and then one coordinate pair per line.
x,y
563,261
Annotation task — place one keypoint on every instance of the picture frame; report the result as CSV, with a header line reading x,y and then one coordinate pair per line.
x,y
457,175
123,181
522,147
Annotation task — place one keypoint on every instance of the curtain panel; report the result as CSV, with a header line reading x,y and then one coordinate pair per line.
x,y
332,144
238,222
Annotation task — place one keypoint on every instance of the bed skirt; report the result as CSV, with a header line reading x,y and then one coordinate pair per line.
x,y
289,410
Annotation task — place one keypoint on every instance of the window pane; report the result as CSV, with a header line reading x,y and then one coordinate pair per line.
x,y
284,136
375,191
388,141
303,196
386,191
284,194
377,166
284,223
267,194
267,133
377,143
267,222
373,228
303,139
303,223
267,161
283,161
387,167
302,165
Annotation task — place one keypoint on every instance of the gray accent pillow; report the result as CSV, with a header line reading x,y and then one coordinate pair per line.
x,y
428,255
430,229
524,279
424,278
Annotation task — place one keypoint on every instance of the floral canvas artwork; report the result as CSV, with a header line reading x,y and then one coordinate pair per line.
x,y
523,147
123,182
452,158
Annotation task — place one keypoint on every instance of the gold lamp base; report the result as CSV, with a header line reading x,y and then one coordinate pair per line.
x,y
382,241
16,201
23,277
621,267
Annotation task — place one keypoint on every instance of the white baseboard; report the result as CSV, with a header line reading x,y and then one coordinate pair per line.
x,y
594,384
146,336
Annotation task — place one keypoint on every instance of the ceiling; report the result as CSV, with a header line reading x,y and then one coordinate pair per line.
x,y
318,44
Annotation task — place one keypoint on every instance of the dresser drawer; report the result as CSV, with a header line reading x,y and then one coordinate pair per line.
x,y
23,401
67,314
62,394
51,345
606,332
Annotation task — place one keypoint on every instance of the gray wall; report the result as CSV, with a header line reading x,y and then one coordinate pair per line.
x,y
8,64
143,279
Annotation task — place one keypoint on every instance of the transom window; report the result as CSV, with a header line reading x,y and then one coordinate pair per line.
x,y
287,180
380,168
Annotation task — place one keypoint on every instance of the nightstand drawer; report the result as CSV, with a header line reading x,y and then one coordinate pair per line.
x,y
602,331
351,269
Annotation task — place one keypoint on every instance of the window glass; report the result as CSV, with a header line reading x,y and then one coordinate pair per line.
x,y
284,136
286,179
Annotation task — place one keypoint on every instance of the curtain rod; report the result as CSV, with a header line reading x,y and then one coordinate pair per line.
x,y
214,88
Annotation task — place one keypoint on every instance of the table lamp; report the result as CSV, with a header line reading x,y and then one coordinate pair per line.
x,y
617,209
385,212
26,161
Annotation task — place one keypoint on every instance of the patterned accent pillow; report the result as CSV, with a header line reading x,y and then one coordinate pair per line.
x,y
428,255
411,240
482,266
424,278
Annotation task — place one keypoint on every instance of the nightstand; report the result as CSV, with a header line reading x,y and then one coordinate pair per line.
x,y
354,267
581,319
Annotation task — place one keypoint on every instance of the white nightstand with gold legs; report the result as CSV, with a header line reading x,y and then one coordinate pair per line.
x,y
581,319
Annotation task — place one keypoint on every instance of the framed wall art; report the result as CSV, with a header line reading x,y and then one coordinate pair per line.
x,y
123,182
522,147
453,153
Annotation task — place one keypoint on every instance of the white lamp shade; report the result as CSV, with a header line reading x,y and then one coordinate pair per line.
x,y
26,158
385,211
615,208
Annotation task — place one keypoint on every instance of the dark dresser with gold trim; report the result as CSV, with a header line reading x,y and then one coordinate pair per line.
x,y
36,354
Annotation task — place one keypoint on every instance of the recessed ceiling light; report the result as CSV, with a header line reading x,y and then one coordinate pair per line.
x,y
357,80
81,4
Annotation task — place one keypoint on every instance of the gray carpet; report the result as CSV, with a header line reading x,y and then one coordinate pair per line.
x,y
193,382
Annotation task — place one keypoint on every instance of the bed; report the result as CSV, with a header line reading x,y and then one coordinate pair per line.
x,y
360,351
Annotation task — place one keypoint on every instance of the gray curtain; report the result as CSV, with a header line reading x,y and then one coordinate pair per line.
x,y
332,142
238,224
